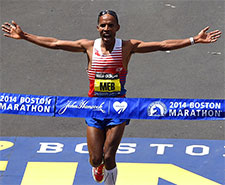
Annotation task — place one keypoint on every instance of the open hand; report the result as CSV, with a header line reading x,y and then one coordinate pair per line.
x,y
210,37
12,30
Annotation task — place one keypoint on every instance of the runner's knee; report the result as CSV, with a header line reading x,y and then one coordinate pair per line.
x,y
109,154
109,158
96,160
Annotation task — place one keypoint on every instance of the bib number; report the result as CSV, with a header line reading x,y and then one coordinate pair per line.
x,y
107,83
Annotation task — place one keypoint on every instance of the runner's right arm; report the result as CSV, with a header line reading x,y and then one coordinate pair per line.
x,y
14,31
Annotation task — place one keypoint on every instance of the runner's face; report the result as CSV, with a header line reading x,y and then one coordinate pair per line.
x,y
107,28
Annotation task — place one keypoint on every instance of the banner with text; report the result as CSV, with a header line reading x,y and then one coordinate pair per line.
x,y
27,104
123,108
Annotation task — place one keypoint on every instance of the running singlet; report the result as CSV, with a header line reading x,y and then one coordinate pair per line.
x,y
107,75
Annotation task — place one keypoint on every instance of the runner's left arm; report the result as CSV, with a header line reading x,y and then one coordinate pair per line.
x,y
202,37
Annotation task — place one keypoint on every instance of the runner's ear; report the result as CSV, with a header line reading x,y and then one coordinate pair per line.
x,y
118,27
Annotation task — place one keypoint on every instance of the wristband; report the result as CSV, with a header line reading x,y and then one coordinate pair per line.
x,y
192,40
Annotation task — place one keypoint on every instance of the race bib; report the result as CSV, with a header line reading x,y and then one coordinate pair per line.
x,y
106,83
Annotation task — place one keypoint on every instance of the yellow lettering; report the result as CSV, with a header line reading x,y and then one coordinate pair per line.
x,y
46,173
150,174
5,145
3,165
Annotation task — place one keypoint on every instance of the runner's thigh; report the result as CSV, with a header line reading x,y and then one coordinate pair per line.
x,y
113,137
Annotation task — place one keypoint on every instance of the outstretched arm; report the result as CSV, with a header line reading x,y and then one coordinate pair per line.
x,y
14,31
202,37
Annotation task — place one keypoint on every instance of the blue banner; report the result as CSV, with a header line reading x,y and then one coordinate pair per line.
x,y
140,108
124,108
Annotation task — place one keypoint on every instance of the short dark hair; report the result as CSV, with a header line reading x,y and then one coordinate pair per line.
x,y
110,12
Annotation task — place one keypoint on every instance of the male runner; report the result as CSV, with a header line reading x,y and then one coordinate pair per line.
x,y
108,59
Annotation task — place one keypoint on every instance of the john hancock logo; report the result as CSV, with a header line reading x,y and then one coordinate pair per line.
x,y
157,108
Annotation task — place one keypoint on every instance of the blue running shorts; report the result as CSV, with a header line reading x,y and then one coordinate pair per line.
x,y
103,123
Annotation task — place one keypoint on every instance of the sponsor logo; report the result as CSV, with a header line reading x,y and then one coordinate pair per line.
x,y
97,52
120,107
119,69
157,108
81,105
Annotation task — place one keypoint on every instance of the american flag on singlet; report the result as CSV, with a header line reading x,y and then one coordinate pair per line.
x,y
110,64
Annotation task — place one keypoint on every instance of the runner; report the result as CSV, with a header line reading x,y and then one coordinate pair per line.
x,y
108,59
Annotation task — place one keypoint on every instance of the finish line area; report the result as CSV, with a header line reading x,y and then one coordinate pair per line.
x,y
64,160
122,108
144,161
168,141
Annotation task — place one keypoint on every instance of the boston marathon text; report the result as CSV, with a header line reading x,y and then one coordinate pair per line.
x,y
195,109
196,105
25,103
17,99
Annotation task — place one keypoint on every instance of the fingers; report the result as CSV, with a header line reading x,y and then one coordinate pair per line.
x,y
5,28
215,32
206,29
6,31
7,24
14,23
214,39
211,36
214,35
7,35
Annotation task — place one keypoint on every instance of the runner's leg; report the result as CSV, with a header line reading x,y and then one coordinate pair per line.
x,y
95,141
113,137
